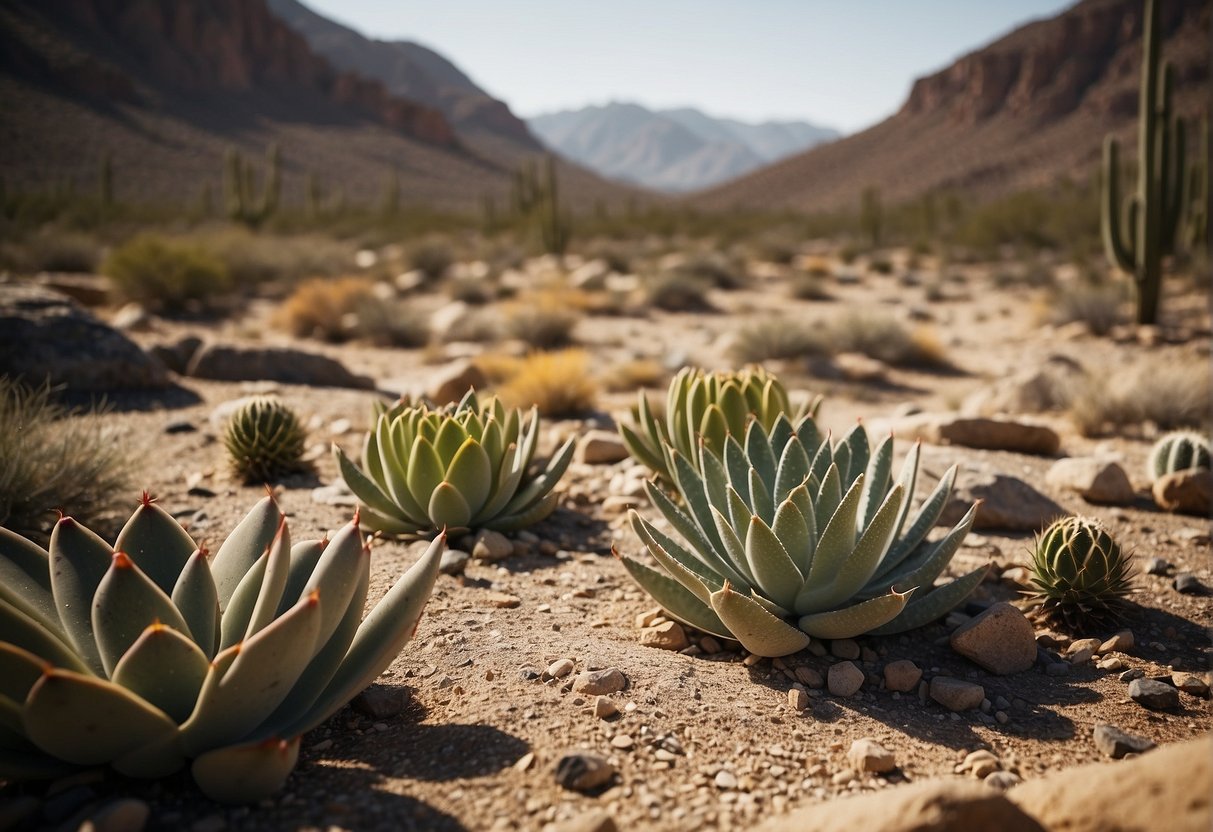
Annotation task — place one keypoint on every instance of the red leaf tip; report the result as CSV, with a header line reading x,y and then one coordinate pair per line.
x,y
123,561
147,499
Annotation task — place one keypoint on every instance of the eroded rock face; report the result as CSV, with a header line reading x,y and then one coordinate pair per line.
x,y
45,335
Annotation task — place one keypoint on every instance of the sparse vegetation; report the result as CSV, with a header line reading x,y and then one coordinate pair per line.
x,y
558,383
633,375
542,321
877,336
326,309
809,286
167,275
51,250
51,458
1168,391
678,291
432,258
1101,306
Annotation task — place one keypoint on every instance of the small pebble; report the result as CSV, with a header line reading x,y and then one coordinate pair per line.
x,y
583,772
559,669
725,780
1115,743
1188,584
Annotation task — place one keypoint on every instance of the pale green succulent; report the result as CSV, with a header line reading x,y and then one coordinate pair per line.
x,y
464,466
788,536
710,406
150,655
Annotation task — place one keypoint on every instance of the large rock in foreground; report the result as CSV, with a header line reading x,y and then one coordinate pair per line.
x,y
224,362
45,335
1168,788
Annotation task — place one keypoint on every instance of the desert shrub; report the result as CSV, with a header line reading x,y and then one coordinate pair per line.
x,y
777,340
55,458
776,250
167,275
634,374
325,309
1101,306
389,323
50,251
881,265
848,253
809,286
254,259
1170,391
714,270
886,339
433,258
558,383
478,326
474,291
678,291
542,320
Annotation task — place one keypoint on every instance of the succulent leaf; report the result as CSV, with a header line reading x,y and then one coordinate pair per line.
x,y
243,547
164,668
157,544
675,598
245,773
126,603
79,560
758,630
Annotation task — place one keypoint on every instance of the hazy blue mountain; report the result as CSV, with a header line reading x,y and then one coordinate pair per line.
x,y
671,150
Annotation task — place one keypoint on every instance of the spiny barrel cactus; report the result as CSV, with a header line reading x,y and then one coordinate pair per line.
x,y
149,654
459,467
1180,450
708,405
1082,576
264,440
789,527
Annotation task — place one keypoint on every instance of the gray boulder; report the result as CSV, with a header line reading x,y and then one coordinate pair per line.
x,y
224,362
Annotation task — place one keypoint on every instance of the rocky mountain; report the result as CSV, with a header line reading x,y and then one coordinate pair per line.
x,y
412,71
670,150
162,88
1025,111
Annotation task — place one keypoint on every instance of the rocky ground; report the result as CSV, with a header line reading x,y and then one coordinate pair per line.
x,y
543,688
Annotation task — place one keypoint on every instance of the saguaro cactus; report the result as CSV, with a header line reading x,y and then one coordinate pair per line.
x,y
239,185
554,227
1199,202
1140,229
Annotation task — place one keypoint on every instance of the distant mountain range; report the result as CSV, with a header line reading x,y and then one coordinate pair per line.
x,y
1026,111
671,150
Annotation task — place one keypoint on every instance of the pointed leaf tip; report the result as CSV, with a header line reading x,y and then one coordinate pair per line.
x,y
147,499
123,561
357,515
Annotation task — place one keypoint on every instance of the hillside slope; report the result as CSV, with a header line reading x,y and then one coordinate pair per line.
x,y
1025,111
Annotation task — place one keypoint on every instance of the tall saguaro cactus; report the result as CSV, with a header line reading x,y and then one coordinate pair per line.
x,y
242,205
1141,228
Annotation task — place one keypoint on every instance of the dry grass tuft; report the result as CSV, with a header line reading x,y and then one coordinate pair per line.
x,y
632,375
558,383
544,320
1101,306
875,335
322,308
55,458
1169,391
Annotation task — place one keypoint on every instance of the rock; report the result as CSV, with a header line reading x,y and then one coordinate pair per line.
x,y
491,546
604,708
1029,391
381,702
936,805
590,275
1157,566
601,447
176,355
581,771
452,382
453,562
956,694
1095,480
902,675
980,763
1165,789
1002,780
85,289
984,433
1122,642
666,636
1001,640
845,648
1131,674
855,366
559,669
593,821
132,317
1193,684
502,600
334,494
597,682
1188,584
867,755
1185,492
1115,743
46,336
798,698
844,679
225,362
725,780
809,677
1007,503
1152,694
124,815
1081,650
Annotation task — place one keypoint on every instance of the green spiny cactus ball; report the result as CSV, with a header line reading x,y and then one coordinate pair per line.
x,y
1180,450
1082,576
264,440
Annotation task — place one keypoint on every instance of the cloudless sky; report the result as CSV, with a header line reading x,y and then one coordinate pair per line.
x,y
840,63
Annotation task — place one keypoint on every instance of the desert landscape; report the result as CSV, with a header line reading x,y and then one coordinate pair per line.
x,y
698,568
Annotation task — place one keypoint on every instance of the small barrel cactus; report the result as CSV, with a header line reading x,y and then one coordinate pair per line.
x,y
1081,574
708,405
264,440
150,655
1180,450
460,467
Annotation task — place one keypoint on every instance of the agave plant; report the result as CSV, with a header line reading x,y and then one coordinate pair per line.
x,y
710,406
1179,450
789,536
264,440
150,654
1082,576
456,468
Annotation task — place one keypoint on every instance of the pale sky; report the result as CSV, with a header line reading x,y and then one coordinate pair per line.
x,y
832,62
